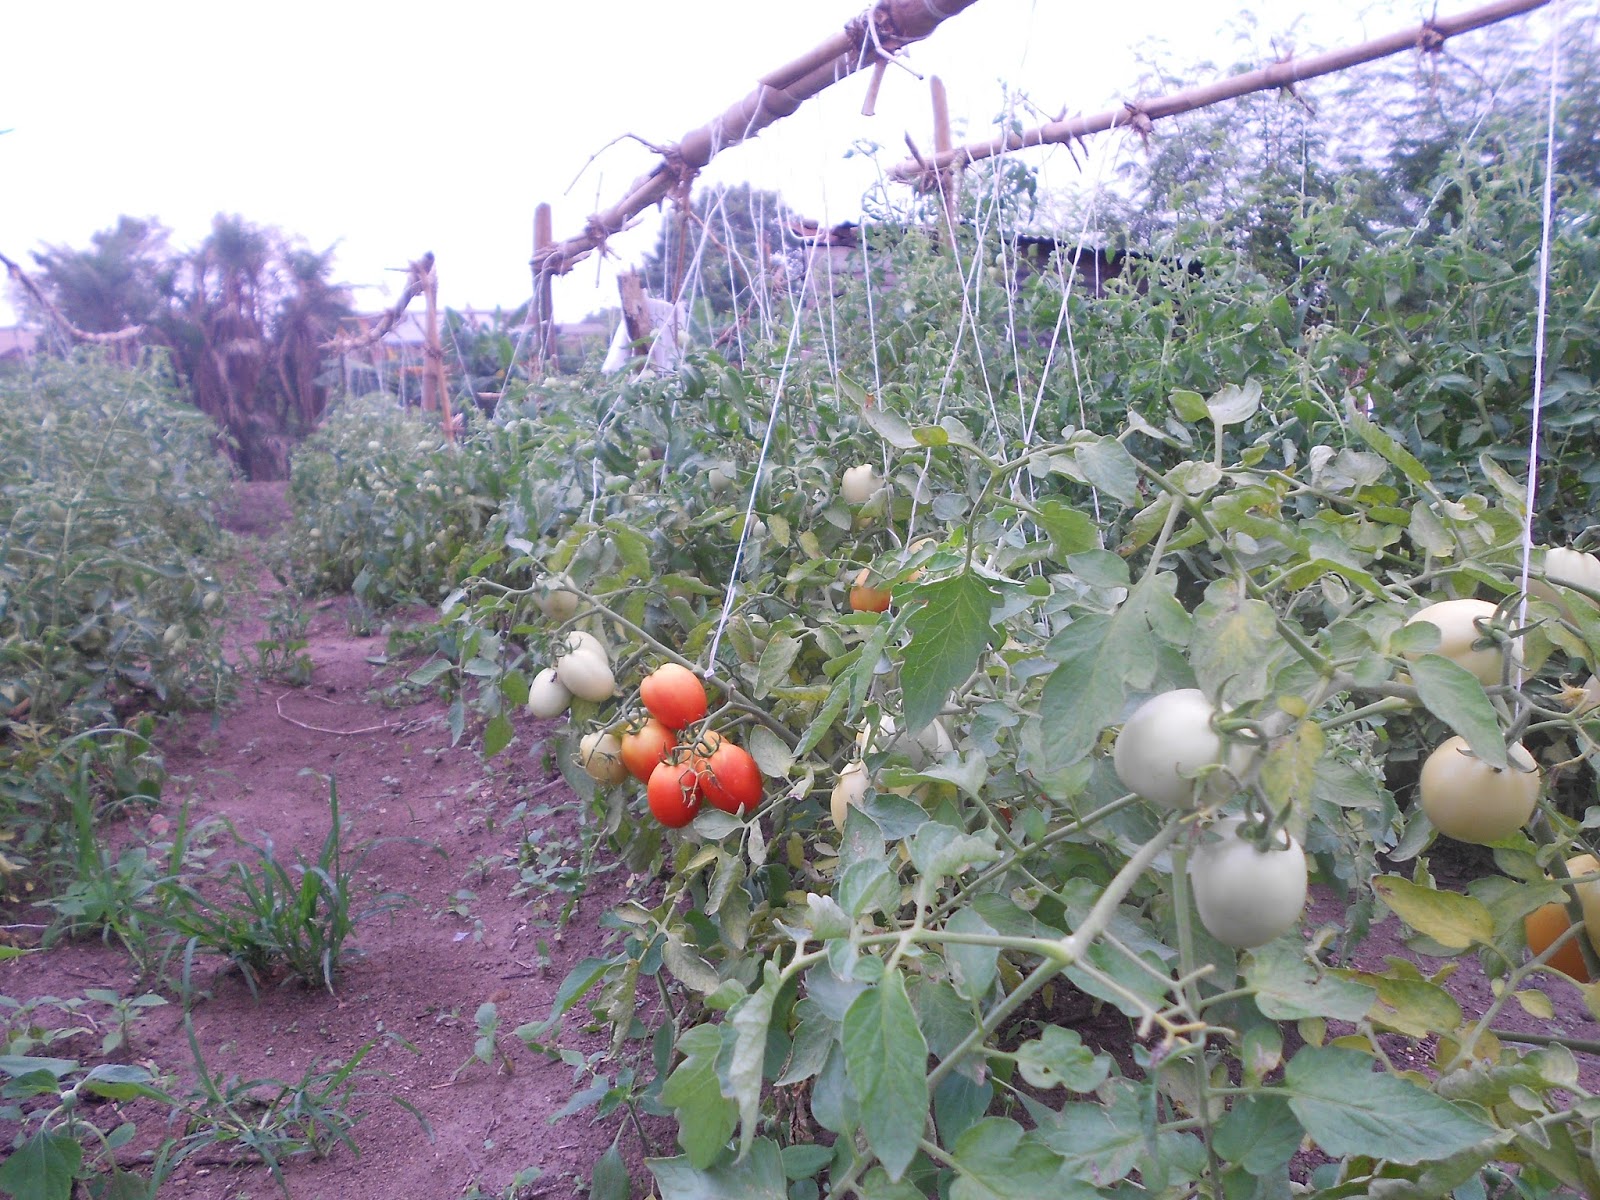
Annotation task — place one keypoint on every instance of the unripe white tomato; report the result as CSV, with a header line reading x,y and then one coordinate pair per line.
x,y
555,602
547,695
851,789
859,483
586,675
1471,801
600,754
1572,568
1456,621
1247,896
1167,741
576,641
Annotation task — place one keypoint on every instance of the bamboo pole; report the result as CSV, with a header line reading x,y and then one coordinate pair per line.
x,y
1138,115
60,318
543,309
888,26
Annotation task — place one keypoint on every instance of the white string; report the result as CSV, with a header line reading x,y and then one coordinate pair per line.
x,y
795,321
1548,215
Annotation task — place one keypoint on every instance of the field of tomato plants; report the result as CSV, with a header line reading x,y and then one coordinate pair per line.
x,y
942,679
1014,712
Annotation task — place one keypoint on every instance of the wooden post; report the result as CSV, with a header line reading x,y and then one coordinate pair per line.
x,y
635,312
543,312
433,386
947,179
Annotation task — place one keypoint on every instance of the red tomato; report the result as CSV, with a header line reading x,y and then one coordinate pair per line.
x,y
674,695
674,794
730,779
644,745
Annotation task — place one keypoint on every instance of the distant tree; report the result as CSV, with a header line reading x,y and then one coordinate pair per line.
x,y
733,233
243,316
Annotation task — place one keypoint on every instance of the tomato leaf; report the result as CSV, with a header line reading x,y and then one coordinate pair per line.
x,y
949,631
43,1167
1381,441
1453,694
609,1179
1235,643
1289,988
1348,1108
1259,1134
497,735
1070,531
998,1160
757,1176
1058,1058
750,1022
1234,404
1107,465
1101,657
886,1059
891,427
1448,918
706,1118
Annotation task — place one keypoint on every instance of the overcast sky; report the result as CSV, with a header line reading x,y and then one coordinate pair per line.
x,y
396,128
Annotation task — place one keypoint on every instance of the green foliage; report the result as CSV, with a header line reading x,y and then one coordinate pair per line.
x,y
1239,467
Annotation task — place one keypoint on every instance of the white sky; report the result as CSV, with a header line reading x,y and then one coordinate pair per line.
x,y
400,127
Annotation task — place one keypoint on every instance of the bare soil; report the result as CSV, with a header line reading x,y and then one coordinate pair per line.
x,y
441,819
420,974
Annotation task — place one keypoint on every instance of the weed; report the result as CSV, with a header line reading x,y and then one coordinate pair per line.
x,y
297,916
282,655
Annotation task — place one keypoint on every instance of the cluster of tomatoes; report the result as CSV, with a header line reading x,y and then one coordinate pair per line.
x,y
680,771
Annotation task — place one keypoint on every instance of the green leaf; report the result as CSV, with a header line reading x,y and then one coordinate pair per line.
x,y
609,1179
1380,440
757,1176
497,735
1101,657
706,1118
751,1020
886,1059
1070,531
1260,1134
939,850
1448,918
1107,465
1058,1058
42,1168
1234,404
997,1160
1453,694
948,634
891,427
1190,406
1289,770
1235,639
1348,1108
972,967
1289,988
117,1082
776,659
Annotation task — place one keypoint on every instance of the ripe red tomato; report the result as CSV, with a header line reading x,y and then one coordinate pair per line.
x,y
730,779
673,793
644,745
674,695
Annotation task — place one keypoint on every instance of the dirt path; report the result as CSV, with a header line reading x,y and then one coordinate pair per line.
x,y
419,975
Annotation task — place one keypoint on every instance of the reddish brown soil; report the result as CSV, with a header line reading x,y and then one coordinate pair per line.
x,y
420,974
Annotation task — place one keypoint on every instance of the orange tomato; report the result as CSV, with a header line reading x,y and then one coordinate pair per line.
x,y
868,599
644,745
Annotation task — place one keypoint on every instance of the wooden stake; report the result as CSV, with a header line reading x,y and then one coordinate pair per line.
x,y
941,146
635,312
433,385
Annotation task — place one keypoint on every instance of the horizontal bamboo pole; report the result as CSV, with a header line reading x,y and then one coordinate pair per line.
x,y
60,318
883,29
1138,115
